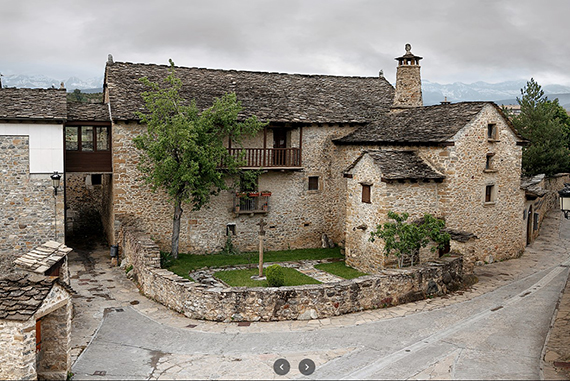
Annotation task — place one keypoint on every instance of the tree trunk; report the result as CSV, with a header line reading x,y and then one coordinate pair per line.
x,y
176,226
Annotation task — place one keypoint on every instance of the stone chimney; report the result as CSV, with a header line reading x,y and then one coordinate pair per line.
x,y
408,81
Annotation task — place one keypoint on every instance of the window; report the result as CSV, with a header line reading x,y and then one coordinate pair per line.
x,y
491,131
490,194
313,182
366,193
489,164
87,138
231,229
96,179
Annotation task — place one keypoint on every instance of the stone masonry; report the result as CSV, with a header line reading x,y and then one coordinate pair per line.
x,y
27,210
202,301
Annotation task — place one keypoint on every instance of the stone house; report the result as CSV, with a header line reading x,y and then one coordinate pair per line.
x,y
31,149
460,162
329,140
35,316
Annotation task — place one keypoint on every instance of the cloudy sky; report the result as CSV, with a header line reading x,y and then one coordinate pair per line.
x,y
460,40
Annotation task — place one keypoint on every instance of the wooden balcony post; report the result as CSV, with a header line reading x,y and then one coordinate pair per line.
x,y
264,146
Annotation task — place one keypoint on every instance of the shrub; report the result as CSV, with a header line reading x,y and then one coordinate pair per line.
x,y
166,259
230,248
275,276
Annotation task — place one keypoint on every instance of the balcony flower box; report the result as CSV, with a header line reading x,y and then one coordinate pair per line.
x,y
265,194
253,194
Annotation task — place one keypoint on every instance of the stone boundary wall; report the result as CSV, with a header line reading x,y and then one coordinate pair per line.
x,y
550,201
199,301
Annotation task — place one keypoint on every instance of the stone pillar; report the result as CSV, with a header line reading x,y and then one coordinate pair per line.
x,y
408,81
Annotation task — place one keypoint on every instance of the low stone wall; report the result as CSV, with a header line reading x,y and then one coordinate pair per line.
x,y
200,301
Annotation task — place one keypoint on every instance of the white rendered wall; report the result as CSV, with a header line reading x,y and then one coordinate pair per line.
x,y
46,144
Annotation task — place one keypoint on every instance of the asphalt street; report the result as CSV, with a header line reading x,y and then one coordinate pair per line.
x,y
495,332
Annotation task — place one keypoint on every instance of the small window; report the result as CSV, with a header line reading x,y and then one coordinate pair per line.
x,y
535,222
492,131
231,229
489,164
96,179
313,182
366,193
490,193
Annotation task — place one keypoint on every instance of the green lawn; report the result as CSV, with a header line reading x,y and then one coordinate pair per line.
x,y
340,269
190,262
240,278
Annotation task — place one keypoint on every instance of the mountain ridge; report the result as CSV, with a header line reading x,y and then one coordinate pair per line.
x,y
433,92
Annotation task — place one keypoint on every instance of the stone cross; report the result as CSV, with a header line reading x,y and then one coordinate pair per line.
x,y
261,225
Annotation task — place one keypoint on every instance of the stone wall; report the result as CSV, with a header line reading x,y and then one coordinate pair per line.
x,y
498,225
199,301
18,342
542,205
415,198
296,217
27,209
54,360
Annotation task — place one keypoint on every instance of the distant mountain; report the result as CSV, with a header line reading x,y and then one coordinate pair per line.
x,y
563,100
434,93
40,81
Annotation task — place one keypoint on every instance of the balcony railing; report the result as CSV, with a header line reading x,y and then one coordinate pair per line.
x,y
268,157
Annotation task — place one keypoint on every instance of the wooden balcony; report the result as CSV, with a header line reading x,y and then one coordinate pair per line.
x,y
276,158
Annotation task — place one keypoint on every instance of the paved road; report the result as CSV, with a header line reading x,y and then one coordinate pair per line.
x,y
496,330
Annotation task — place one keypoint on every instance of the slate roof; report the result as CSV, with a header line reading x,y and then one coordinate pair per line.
x,y
420,125
33,104
87,112
22,294
43,257
532,187
401,165
270,96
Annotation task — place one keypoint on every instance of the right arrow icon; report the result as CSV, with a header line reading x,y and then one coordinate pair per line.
x,y
307,367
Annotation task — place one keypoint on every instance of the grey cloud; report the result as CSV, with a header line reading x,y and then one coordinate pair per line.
x,y
460,40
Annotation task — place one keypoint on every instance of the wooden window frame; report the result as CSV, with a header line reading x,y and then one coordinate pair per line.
x,y
95,135
366,193
492,132
490,194
313,183
490,163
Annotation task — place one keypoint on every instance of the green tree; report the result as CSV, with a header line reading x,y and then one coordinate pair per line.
x,y
541,122
404,239
182,150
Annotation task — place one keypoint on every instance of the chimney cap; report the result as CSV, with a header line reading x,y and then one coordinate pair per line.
x,y
409,55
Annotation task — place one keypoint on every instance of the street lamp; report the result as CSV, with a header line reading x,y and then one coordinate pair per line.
x,y
55,178
565,200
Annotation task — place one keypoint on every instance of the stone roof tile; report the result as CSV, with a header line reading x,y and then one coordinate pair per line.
x,y
87,112
270,96
431,124
33,104
42,258
22,294
403,165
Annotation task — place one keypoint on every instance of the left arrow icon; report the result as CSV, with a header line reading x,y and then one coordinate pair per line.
x,y
281,367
